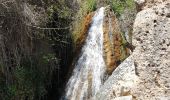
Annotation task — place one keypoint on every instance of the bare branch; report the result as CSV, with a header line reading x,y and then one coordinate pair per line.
x,y
45,28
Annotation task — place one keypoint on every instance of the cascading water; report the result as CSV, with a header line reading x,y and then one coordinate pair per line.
x,y
90,68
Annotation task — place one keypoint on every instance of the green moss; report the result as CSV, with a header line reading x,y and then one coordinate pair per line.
x,y
124,54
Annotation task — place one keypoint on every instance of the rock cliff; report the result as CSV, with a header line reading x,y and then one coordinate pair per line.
x,y
145,74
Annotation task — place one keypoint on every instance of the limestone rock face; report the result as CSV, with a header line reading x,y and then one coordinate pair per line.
x,y
114,51
144,4
145,75
120,82
152,54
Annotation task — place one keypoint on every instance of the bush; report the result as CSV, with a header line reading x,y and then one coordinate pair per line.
x,y
119,6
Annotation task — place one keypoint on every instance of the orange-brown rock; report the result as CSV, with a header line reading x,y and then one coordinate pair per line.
x,y
114,51
108,52
83,31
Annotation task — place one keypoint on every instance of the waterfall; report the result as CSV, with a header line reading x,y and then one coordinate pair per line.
x,y
89,70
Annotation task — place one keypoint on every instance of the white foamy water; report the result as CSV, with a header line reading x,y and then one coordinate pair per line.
x,y
89,70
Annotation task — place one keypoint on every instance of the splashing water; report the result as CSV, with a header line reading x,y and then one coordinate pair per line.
x,y
90,68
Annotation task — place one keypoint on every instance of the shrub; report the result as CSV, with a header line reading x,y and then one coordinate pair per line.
x,y
120,5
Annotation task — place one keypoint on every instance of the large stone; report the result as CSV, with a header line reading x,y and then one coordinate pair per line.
x,y
114,51
120,82
152,54
146,73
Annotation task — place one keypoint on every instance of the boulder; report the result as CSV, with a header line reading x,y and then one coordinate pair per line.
x,y
145,74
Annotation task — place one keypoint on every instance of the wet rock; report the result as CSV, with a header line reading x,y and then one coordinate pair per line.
x,y
113,40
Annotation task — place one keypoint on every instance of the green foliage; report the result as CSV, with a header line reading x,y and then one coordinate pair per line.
x,y
31,77
12,90
120,5
58,26
60,8
49,57
29,62
86,7
7,92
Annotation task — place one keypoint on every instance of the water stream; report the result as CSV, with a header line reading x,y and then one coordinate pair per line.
x,y
89,70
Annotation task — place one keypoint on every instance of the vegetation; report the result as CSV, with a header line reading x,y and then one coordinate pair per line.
x,y
86,7
125,11
124,49
34,57
31,53
119,6
58,33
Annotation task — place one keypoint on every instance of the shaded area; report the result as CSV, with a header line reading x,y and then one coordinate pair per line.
x,y
34,60
62,45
